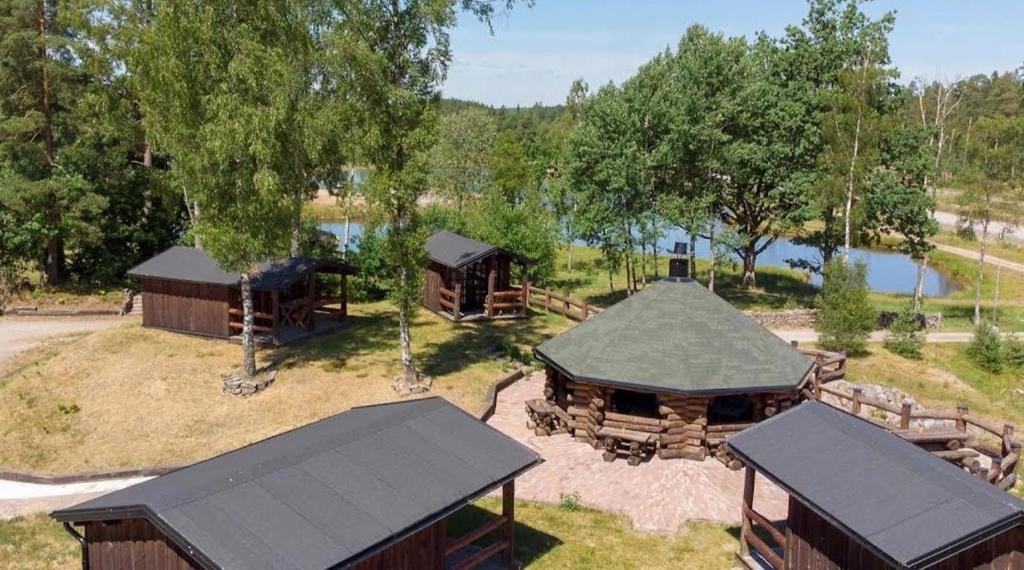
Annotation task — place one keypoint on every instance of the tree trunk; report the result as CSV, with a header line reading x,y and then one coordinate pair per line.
x,y
750,265
54,260
711,258
248,339
568,263
981,271
995,298
848,210
348,223
693,254
611,281
922,267
410,377
296,249
195,220
654,254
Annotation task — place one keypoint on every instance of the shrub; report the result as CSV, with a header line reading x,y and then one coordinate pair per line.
x,y
845,315
986,348
571,502
904,336
1013,351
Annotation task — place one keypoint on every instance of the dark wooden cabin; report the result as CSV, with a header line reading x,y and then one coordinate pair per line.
x,y
863,497
183,290
673,370
471,280
371,488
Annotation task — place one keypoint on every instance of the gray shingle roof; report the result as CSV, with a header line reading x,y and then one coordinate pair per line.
x,y
453,250
675,335
904,503
325,494
181,263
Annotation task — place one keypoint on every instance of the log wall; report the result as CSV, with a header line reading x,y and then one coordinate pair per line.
x,y
187,307
132,543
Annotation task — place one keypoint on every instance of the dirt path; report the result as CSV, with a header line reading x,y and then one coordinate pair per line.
x,y
810,335
948,220
22,333
659,496
973,255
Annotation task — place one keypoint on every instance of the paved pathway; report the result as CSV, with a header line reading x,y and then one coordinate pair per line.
x,y
17,498
658,496
973,255
21,333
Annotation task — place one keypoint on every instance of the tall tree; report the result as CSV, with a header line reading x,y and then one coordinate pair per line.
x,y
226,90
397,54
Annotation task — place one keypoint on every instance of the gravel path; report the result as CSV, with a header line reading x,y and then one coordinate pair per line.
x,y
22,333
810,335
948,220
657,496
973,255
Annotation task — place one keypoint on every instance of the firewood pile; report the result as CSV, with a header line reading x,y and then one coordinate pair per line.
x,y
545,418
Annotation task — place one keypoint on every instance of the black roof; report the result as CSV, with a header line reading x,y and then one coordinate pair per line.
x,y
326,494
907,505
181,263
455,251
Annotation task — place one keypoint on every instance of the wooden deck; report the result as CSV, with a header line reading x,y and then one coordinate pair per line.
x,y
289,334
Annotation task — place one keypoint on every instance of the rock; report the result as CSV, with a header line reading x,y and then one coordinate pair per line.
x,y
423,385
233,383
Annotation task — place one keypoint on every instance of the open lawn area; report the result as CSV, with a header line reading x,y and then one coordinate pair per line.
x,y
944,377
547,537
1007,250
130,396
67,297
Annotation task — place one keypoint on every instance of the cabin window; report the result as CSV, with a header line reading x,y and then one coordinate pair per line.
x,y
730,409
634,403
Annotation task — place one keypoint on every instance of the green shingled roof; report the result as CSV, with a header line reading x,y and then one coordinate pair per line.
x,y
677,336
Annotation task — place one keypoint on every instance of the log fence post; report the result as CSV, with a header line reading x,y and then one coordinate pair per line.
x,y
492,276
855,404
748,504
961,423
456,312
996,471
905,414
508,510
526,292
1007,437
586,311
983,473
547,300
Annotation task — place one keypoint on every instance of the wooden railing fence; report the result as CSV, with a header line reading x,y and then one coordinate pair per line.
x,y
560,303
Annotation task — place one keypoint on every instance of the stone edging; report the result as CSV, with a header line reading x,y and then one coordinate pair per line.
x,y
46,479
24,312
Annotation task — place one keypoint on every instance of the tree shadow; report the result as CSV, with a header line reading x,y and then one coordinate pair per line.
x,y
370,332
481,341
530,543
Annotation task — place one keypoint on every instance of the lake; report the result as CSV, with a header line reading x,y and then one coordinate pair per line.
x,y
888,272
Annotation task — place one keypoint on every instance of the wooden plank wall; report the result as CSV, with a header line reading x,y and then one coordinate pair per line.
x,y
422,550
133,543
188,307
433,282
814,544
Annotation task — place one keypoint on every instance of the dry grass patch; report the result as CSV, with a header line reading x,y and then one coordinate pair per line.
x,y
130,396
37,543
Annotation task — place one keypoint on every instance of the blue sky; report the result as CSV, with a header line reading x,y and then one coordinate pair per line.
x,y
535,53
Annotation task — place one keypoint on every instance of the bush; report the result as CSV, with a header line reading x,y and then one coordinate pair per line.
x,y
845,315
986,348
1013,351
905,337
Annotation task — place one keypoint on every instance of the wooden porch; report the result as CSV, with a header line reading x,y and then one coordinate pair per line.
x,y
473,551
301,311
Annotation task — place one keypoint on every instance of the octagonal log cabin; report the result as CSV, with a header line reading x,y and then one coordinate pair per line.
x,y
184,290
470,280
372,488
673,370
862,497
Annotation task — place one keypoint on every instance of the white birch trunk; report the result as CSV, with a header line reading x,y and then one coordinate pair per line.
x,y
248,337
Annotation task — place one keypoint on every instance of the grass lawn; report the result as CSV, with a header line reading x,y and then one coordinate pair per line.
x,y
944,377
68,297
1008,250
547,537
130,396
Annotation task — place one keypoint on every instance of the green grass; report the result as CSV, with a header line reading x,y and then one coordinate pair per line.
x,y
547,537
1007,250
778,287
37,542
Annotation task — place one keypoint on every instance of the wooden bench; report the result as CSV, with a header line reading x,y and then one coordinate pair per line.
x,y
545,418
636,445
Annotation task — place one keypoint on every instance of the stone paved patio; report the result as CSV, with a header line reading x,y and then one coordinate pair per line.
x,y
658,496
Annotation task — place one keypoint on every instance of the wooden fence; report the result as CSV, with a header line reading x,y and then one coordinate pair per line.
x,y
560,303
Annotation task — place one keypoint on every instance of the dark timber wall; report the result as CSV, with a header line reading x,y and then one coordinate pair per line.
x,y
133,543
188,307
422,550
473,279
814,544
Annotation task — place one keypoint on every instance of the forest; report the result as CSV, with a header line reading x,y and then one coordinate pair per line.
x,y
128,126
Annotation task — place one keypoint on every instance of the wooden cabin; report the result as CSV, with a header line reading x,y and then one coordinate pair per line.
x,y
471,280
673,370
372,488
863,497
184,290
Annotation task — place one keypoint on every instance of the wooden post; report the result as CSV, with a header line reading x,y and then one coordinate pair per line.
x,y
508,510
275,309
905,415
794,343
526,290
1007,437
983,473
547,300
855,404
344,295
748,502
996,470
492,276
1015,449
961,423
816,379
310,299
586,310
456,312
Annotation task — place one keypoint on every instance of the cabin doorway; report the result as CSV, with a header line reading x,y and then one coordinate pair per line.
x,y
731,409
640,404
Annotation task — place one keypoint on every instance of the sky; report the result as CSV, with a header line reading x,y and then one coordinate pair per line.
x,y
535,53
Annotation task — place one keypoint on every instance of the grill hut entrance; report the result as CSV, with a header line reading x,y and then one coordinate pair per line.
x,y
471,280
